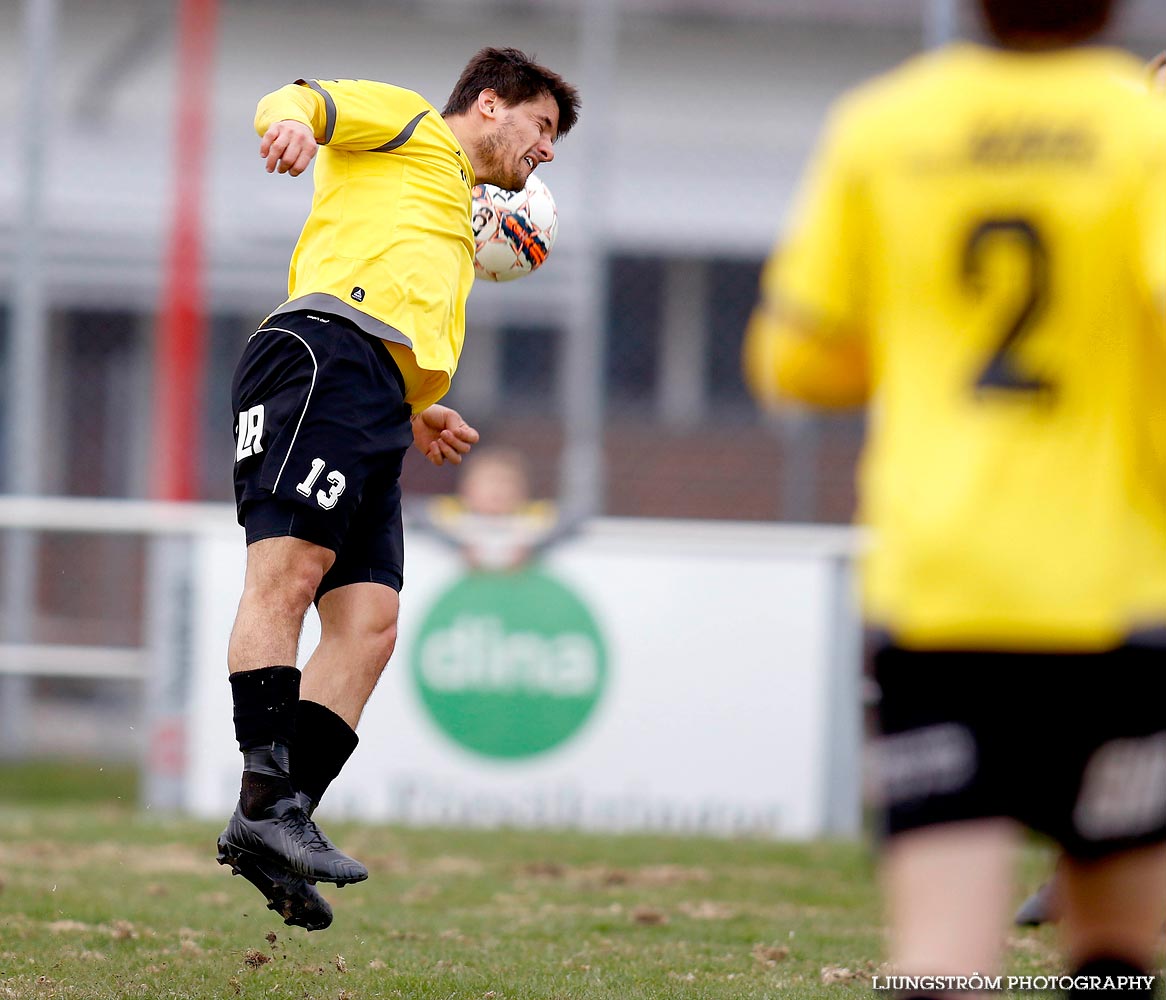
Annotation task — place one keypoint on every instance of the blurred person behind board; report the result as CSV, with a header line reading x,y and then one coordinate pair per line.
x,y
334,387
492,520
978,254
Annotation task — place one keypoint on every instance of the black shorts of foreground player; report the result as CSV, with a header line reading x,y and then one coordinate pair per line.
x,y
980,254
331,391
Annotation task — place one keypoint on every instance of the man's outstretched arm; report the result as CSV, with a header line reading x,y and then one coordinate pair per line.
x,y
291,123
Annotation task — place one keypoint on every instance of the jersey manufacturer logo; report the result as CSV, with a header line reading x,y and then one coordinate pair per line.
x,y
357,293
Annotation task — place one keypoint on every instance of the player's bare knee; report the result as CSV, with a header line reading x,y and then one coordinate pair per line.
x,y
383,640
290,591
285,575
373,637
299,589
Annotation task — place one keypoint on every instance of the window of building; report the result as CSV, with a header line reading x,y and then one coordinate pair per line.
x,y
634,321
733,286
98,383
530,357
5,353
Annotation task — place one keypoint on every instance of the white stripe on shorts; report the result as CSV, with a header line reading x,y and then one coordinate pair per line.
x,y
307,399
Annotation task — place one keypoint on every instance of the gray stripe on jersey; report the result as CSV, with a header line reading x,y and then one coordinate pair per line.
x,y
402,137
325,303
329,108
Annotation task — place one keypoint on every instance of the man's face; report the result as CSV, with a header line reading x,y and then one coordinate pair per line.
x,y
518,138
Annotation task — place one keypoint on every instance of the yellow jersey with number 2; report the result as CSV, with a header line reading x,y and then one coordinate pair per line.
x,y
979,252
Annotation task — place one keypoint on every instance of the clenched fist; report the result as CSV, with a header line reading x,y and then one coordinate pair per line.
x,y
288,145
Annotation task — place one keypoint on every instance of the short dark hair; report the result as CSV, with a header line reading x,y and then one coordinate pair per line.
x,y
516,78
1017,22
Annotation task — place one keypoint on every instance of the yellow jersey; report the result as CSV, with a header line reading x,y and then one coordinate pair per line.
x,y
979,251
388,244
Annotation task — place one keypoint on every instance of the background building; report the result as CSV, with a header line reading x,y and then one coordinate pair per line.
x,y
615,368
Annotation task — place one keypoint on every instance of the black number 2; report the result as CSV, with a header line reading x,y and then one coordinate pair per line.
x,y
1021,237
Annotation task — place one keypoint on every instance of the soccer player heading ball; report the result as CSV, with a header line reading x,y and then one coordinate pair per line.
x,y
979,251
329,394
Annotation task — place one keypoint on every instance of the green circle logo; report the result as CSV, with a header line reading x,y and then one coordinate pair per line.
x,y
509,664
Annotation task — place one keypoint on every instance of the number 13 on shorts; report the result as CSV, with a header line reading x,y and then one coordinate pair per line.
x,y
335,480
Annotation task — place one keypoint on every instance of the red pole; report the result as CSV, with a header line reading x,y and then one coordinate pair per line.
x,y
181,348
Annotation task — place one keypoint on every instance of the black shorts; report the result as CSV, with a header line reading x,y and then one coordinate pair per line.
x,y
1071,745
321,431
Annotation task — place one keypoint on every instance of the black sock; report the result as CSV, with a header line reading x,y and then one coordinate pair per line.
x,y
324,742
265,715
1098,978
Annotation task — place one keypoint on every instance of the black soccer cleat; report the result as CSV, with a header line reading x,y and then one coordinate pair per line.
x,y
292,896
1039,908
286,835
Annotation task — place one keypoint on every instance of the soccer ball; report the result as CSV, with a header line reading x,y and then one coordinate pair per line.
x,y
513,230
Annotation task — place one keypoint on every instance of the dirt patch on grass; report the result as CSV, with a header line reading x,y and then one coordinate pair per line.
x,y
607,876
155,859
768,955
649,916
451,865
831,974
119,930
253,958
706,909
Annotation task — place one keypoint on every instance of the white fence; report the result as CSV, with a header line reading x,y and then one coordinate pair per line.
x,y
687,676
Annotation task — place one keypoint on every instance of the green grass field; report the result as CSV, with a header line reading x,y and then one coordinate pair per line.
x,y
101,902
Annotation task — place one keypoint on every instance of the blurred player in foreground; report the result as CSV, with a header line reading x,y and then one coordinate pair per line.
x,y
330,393
1041,907
979,254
